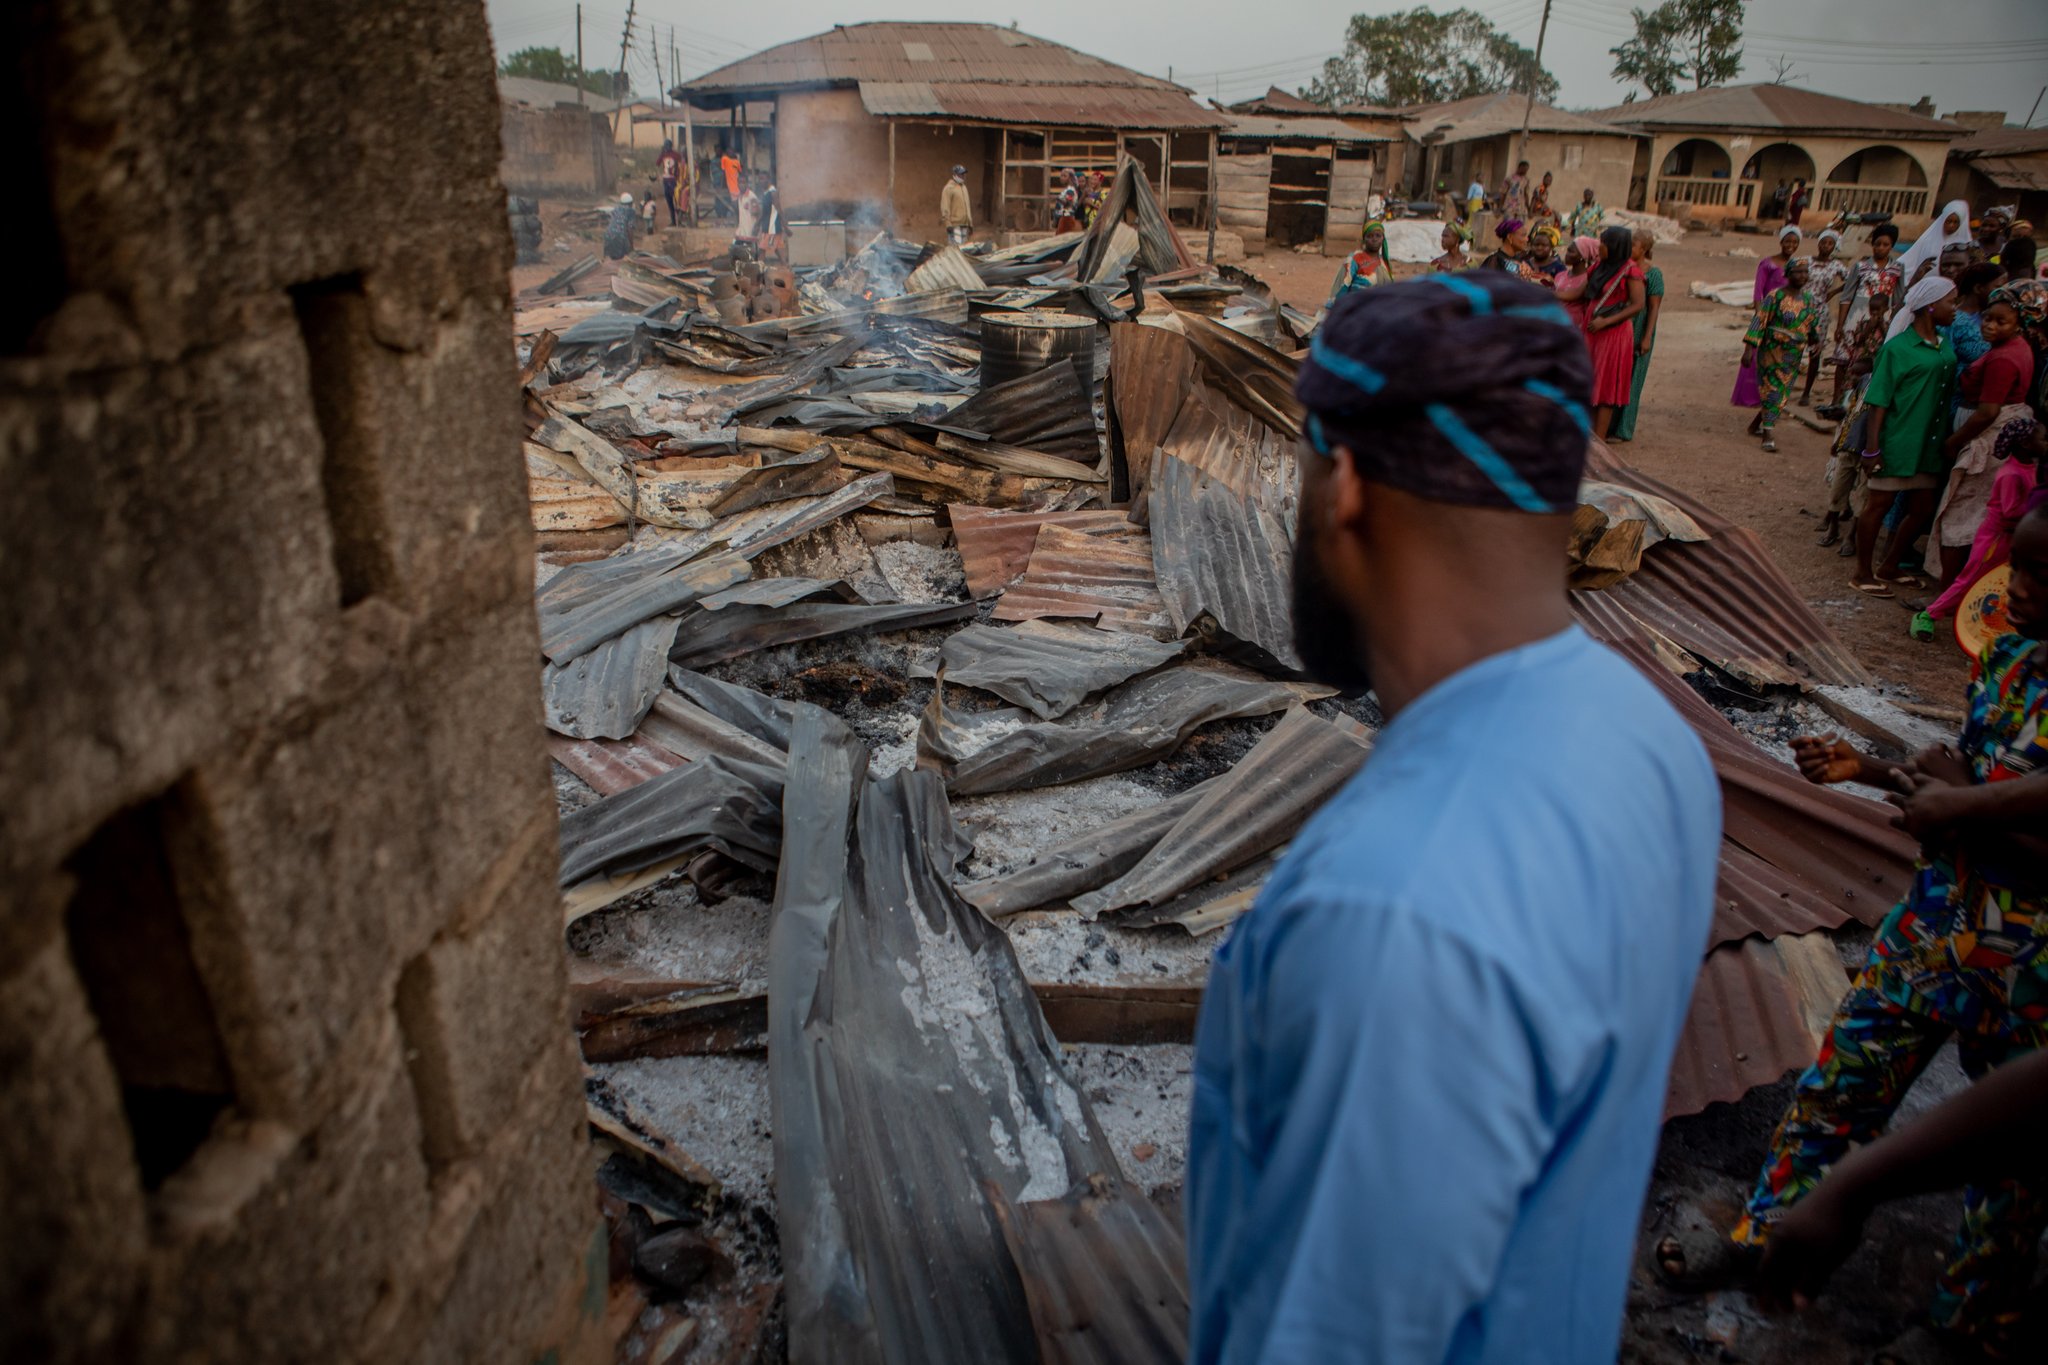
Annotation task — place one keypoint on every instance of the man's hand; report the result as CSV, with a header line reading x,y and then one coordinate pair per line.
x,y
1807,1245
1826,759
1927,805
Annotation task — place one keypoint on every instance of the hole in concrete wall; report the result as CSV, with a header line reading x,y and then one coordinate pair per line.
x,y
33,294
130,946
334,321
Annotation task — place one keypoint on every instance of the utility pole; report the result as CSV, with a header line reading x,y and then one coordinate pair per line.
x,y
1528,110
2037,107
625,41
579,54
689,134
654,51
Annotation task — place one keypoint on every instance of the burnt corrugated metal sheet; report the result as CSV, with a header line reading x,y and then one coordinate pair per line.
x,y
735,809
1255,807
1048,669
1132,725
1758,1011
713,637
995,545
1065,106
657,585
1223,544
1150,369
604,694
1160,249
1105,1274
1048,410
1109,580
914,1081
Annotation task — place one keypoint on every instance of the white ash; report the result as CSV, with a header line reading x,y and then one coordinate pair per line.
x,y
571,791
1141,1097
900,752
833,551
1773,728
922,573
1009,827
1058,945
669,931
715,1108
950,987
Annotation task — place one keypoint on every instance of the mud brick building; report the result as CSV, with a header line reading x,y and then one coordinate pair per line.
x,y
282,1018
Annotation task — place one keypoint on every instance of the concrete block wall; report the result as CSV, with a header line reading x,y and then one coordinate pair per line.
x,y
565,150
283,1028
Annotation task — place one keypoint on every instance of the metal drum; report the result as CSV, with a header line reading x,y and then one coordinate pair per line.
x,y
1017,344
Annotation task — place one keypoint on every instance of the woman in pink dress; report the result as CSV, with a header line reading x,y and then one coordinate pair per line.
x,y
1770,277
1616,292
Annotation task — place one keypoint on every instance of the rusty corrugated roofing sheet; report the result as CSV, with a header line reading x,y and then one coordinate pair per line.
x,y
1105,1274
995,544
1264,128
1066,106
1758,1011
942,52
612,765
1107,580
1501,112
1770,107
1723,598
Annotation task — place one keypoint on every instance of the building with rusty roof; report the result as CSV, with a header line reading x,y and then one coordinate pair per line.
x,y
1724,150
2000,166
875,115
1480,139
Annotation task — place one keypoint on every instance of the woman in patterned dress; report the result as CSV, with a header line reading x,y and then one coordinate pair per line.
x,y
1875,274
1624,428
1770,275
1787,321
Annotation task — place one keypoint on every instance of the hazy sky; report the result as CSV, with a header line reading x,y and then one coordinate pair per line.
x,y
1966,54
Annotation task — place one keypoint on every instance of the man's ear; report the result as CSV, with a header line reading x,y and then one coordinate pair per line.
x,y
1347,492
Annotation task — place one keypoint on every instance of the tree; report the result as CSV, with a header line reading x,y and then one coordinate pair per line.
x,y
1696,40
1420,57
553,64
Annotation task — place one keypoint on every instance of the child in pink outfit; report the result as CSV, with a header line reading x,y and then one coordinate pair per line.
x,y
2020,445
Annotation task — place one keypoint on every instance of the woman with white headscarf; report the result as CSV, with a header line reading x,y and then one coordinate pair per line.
x,y
1908,407
1952,228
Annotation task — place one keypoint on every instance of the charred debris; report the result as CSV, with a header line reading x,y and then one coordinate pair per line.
x,y
915,646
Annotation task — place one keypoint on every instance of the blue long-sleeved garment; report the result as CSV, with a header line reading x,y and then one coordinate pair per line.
x,y
1431,1060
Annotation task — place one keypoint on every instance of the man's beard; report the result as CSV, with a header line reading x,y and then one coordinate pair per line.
x,y
1325,637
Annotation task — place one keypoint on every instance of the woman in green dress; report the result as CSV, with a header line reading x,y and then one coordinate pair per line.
x,y
1646,337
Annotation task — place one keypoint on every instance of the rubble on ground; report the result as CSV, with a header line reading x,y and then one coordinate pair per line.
x,y
916,733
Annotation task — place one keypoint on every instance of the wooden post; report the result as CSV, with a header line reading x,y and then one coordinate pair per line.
x,y
1212,190
892,175
579,54
690,157
1530,108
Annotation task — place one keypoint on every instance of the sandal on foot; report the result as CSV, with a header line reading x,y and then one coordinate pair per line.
x,y
1770,445
1924,1346
1695,1256
1922,627
1902,579
1874,588
1830,534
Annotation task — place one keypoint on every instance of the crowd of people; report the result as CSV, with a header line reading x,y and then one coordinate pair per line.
x,y
1603,277
1939,354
